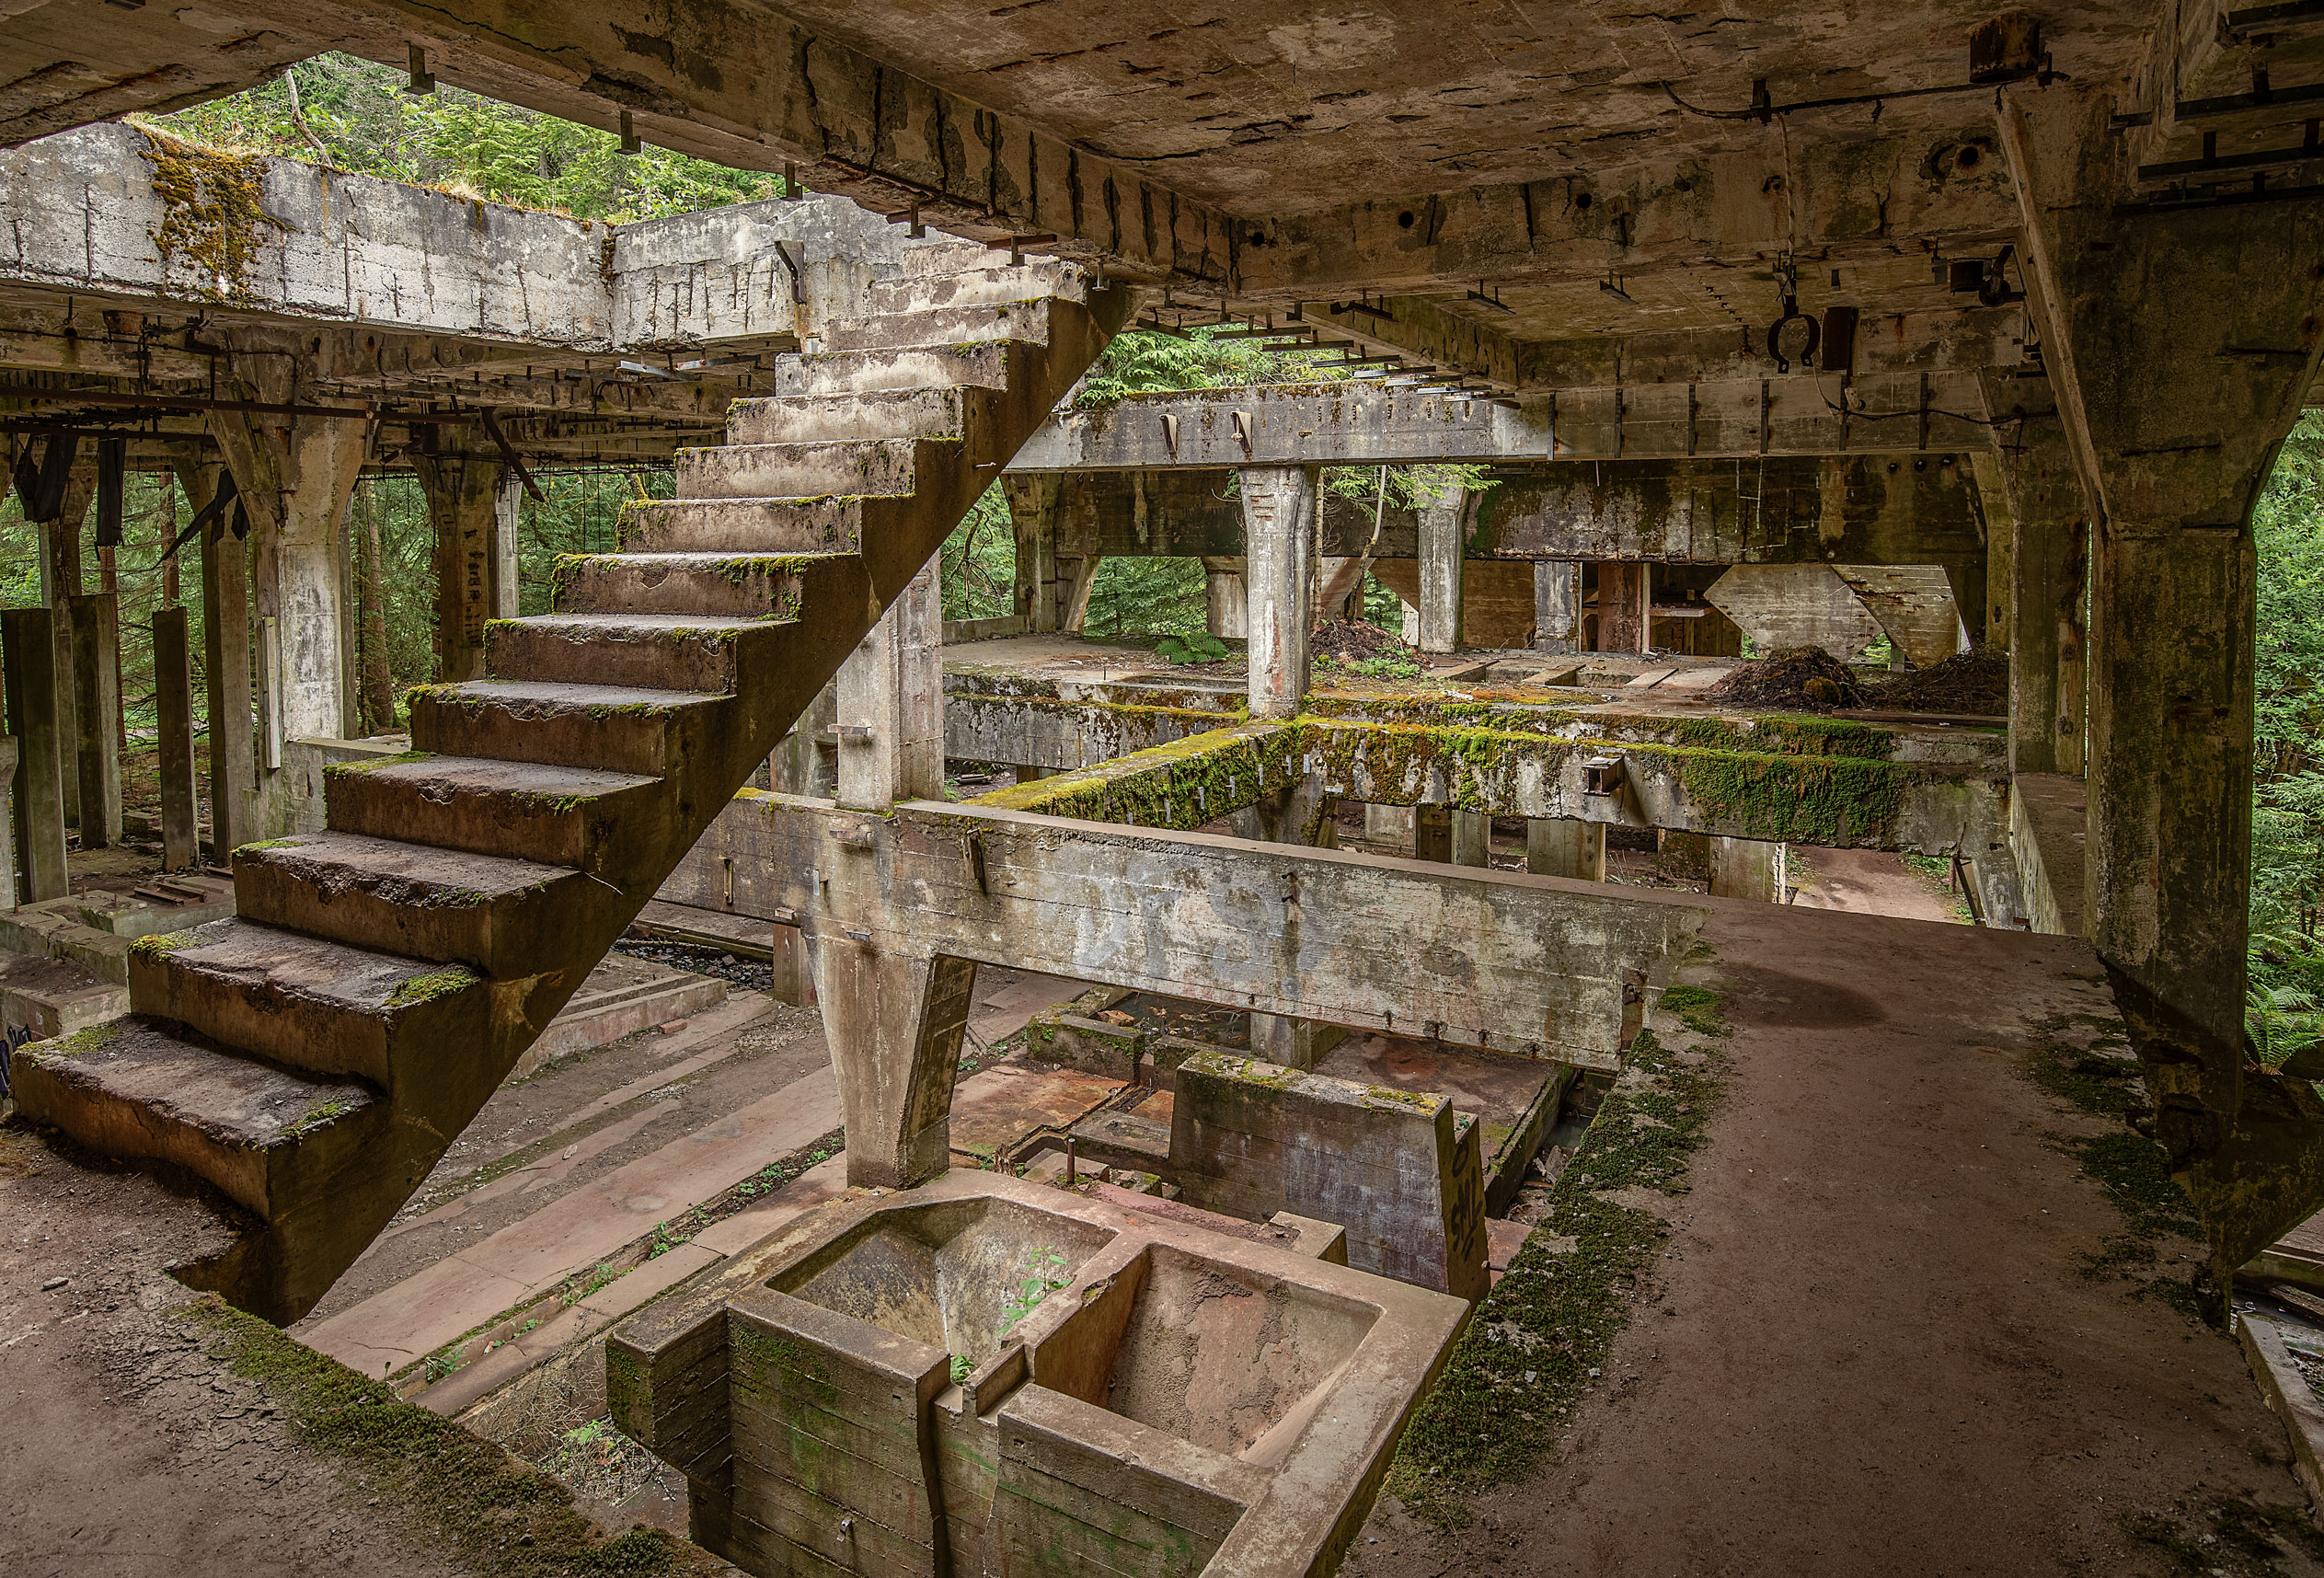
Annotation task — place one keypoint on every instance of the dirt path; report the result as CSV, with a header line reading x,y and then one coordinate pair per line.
x,y
1867,881
1873,1344
130,1448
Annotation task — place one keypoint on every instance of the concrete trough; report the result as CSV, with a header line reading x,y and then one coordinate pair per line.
x,y
984,1376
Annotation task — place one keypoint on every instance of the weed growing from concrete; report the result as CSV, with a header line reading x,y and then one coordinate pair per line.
x,y
1542,1335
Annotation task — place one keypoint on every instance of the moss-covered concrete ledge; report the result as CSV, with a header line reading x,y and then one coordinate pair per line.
x,y
1184,785
1058,735
1845,801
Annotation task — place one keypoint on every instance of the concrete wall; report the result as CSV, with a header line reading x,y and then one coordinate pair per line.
x,y
1400,1170
294,795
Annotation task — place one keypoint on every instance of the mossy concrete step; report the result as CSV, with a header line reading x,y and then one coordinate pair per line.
x,y
808,470
834,419
958,323
526,810
977,364
721,586
832,524
671,651
321,1006
266,1138
506,917
617,728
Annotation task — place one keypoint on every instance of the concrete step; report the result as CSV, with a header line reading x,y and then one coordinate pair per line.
x,y
673,651
717,585
980,364
314,1004
526,810
959,323
830,525
830,418
503,917
139,1089
616,728
798,471
1001,287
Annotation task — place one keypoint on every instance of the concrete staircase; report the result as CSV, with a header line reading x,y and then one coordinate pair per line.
x,y
314,1056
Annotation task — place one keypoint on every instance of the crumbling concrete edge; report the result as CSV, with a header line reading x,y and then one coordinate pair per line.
x,y
2288,1397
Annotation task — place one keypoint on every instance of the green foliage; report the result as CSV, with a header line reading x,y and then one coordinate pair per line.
x,y
1039,1272
979,561
2284,1005
1142,362
1371,668
355,116
1199,647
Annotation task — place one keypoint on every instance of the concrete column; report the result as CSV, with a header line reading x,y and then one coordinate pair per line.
x,y
1556,605
1304,815
893,1021
173,704
1388,824
2181,343
225,625
1746,869
804,763
1472,838
507,518
28,656
63,577
1227,605
1625,612
8,822
1033,509
890,707
1279,558
463,490
96,717
1432,832
1443,541
295,483
1559,847
2037,501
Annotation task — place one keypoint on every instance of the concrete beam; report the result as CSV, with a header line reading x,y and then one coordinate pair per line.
x,y
1355,424
1515,962
1060,736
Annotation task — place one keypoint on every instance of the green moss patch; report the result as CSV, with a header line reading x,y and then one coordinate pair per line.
x,y
1182,785
435,983
212,218
1516,1377
501,1517
2106,1082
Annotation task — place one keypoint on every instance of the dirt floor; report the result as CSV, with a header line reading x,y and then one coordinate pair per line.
x,y
1882,1336
131,1447
1869,882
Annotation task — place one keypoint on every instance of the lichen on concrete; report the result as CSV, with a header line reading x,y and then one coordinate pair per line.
x,y
211,216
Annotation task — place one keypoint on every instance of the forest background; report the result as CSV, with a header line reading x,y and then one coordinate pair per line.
x,y
355,115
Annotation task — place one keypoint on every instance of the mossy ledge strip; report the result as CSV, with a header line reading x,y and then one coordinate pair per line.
x,y
1182,785
502,1518
1518,1373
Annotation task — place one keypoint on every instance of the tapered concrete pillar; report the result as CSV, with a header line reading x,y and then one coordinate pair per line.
x,y
2181,343
1278,560
295,480
1556,605
1443,542
1625,611
1472,838
1226,604
463,489
2035,498
28,654
225,633
172,706
1560,846
1746,869
893,1018
96,713
890,705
